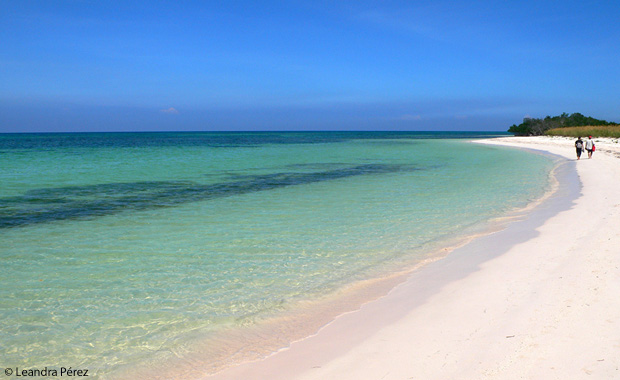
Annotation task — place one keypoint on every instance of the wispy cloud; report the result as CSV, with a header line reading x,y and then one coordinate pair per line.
x,y
171,110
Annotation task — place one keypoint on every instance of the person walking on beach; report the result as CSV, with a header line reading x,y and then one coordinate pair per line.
x,y
579,147
589,146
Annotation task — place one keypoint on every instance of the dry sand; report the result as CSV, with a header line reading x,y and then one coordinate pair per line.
x,y
538,300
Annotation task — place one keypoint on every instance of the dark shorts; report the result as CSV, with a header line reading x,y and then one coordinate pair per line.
x,y
578,152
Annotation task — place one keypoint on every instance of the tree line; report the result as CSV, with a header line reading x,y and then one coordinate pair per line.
x,y
537,127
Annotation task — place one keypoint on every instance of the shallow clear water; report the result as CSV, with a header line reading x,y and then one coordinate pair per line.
x,y
117,247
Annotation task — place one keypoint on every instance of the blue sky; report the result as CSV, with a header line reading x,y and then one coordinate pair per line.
x,y
304,64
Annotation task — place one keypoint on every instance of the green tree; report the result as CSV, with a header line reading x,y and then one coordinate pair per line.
x,y
537,127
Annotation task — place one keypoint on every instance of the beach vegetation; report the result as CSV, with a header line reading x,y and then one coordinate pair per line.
x,y
612,131
538,127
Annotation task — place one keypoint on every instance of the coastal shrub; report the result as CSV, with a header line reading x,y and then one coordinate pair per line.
x,y
590,130
537,127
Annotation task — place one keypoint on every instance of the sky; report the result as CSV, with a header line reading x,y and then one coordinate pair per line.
x,y
82,65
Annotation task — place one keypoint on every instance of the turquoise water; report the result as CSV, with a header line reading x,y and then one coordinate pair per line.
x,y
118,248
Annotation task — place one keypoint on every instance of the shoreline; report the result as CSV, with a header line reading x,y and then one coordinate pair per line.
x,y
214,353
450,295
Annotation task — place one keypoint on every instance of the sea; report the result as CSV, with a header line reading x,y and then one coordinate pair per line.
x,y
125,251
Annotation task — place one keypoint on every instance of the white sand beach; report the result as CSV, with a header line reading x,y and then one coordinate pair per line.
x,y
538,300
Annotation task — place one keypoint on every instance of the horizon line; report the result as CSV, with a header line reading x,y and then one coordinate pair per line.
x,y
265,131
